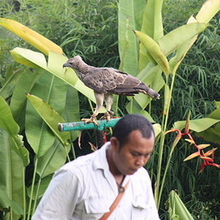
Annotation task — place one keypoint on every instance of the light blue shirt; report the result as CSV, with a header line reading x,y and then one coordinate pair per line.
x,y
84,189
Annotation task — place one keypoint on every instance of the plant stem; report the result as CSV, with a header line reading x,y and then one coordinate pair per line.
x,y
67,155
24,196
41,174
32,188
168,164
167,103
73,151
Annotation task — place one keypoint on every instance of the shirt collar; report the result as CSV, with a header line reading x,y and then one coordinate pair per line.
x,y
100,161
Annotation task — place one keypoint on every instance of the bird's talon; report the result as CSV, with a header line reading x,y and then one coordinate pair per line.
x,y
90,120
108,115
111,112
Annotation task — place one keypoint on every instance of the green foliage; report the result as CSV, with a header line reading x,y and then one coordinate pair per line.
x,y
197,79
81,27
15,158
174,44
177,209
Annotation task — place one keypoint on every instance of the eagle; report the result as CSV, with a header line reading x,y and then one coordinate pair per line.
x,y
105,82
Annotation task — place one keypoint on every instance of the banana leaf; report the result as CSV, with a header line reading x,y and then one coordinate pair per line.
x,y
54,66
152,25
177,209
208,128
24,85
35,39
50,117
8,123
128,46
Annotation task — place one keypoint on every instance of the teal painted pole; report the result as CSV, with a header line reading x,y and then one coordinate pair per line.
x,y
80,125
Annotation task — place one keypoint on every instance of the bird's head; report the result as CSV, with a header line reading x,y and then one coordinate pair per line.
x,y
73,62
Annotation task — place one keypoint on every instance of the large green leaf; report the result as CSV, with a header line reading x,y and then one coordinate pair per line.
x,y
154,50
18,100
212,134
52,160
12,174
54,66
139,7
152,26
8,123
8,86
38,134
53,91
128,46
44,182
176,38
50,117
208,10
197,125
151,75
177,209
207,128
6,202
29,57
72,110
133,108
152,19
182,51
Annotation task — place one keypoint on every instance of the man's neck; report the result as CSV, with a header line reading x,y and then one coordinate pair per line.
x,y
119,177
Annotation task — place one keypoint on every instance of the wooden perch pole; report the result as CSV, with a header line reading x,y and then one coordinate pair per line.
x,y
76,126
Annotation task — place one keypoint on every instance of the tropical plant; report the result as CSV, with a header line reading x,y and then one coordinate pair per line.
x,y
49,145
157,53
28,90
177,209
45,94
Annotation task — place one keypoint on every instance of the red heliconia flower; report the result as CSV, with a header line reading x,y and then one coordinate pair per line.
x,y
208,157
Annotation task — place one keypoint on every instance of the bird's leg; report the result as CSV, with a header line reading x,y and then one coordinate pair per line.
x,y
108,103
99,103
90,120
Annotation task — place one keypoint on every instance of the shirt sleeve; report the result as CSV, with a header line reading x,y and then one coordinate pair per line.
x,y
60,198
152,212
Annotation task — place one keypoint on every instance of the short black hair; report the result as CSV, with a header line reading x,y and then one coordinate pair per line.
x,y
132,122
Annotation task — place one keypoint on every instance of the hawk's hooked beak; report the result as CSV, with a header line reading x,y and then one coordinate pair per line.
x,y
66,65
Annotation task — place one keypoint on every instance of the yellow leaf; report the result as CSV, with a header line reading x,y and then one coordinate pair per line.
x,y
210,152
35,39
191,156
208,11
190,141
203,146
154,50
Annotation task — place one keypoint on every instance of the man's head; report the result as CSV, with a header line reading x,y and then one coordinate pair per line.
x,y
132,143
131,123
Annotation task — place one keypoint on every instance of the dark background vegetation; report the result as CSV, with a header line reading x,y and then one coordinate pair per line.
x,y
89,28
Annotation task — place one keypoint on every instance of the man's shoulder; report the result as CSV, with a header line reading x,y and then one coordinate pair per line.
x,y
142,171
82,162
141,175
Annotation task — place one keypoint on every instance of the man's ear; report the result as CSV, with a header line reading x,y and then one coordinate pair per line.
x,y
115,144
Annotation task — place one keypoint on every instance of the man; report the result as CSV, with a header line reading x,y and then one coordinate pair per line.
x,y
85,188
